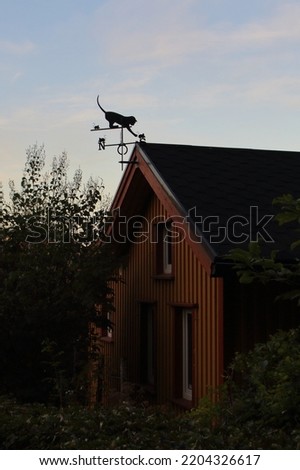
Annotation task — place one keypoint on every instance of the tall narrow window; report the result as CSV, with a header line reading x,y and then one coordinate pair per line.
x,y
147,344
183,354
167,250
164,253
187,354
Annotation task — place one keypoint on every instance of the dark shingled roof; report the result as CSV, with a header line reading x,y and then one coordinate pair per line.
x,y
226,182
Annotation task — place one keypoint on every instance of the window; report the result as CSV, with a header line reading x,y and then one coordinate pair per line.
x,y
183,373
109,329
164,253
167,252
104,323
187,354
147,344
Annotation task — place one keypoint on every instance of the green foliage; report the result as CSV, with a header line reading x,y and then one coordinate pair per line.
x,y
40,427
258,408
261,408
53,279
252,266
261,404
289,209
50,208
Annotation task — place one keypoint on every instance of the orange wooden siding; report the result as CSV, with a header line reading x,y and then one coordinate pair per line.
x,y
190,286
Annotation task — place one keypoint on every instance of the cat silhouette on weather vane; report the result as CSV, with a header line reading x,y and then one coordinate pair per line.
x,y
116,118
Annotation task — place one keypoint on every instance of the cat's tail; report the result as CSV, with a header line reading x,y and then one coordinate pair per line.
x,y
100,105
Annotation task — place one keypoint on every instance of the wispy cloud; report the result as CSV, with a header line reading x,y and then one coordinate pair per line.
x,y
3,121
17,48
283,91
170,46
17,76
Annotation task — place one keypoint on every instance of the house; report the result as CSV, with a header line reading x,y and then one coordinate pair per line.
x,y
180,313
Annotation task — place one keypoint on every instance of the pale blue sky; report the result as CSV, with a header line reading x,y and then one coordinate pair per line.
x,y
204,72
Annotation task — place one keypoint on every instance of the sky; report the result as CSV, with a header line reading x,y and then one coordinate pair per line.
x,y
200,72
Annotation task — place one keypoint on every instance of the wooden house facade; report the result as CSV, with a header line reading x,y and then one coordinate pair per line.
x,y
175,327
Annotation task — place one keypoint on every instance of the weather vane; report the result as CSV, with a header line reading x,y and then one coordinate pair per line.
x,y
117,121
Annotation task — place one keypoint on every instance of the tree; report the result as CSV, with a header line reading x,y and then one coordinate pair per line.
x,y
54,279
252,266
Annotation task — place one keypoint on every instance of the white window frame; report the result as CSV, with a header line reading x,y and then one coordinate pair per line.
x,y
147,346
187,390
167,254
150,346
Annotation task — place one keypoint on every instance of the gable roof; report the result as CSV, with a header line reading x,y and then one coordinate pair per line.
x,y
222,184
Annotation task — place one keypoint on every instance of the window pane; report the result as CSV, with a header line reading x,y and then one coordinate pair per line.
x,y
187,354
189,350
147,347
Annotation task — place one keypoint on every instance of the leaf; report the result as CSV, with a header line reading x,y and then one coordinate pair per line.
x,y
286,217
295,244
245,277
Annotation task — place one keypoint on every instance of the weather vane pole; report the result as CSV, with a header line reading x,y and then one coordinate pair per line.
x,y
117,121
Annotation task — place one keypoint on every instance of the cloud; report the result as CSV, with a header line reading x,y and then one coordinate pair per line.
x,y
17,76
281,91
3,121
17,48
180,37
280,28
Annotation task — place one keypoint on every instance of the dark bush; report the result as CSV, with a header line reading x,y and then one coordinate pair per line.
x,y
259,408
